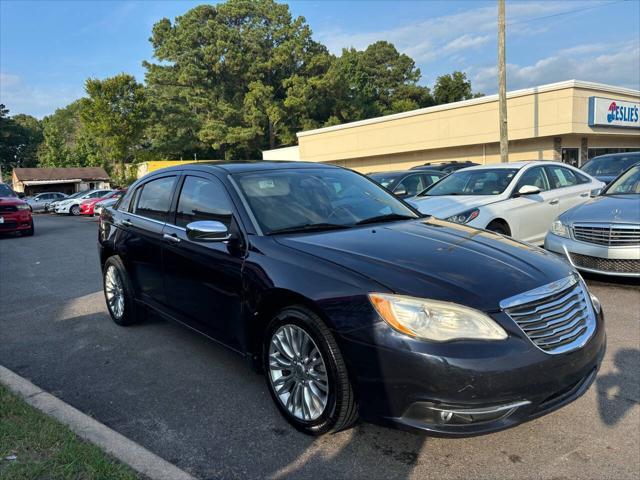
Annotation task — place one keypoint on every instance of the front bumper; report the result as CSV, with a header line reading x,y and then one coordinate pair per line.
x,y
62,209
400,382
590,257
16,221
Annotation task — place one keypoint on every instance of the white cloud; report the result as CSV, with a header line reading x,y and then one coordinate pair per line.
x,y
612,64
20,97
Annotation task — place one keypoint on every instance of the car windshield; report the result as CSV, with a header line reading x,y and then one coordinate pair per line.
x,y
492,181
75,195
387,180
600,166
5,191
627,184
317,199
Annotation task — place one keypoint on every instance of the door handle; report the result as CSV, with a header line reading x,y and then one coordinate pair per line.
x,y
554,202
127,223
170,238
585,194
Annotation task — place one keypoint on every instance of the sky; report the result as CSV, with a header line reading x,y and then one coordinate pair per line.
x,y
49,48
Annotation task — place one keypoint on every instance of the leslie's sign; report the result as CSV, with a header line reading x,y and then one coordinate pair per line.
x,y
613,113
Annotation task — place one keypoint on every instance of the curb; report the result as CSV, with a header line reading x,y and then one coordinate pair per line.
x,y
120,447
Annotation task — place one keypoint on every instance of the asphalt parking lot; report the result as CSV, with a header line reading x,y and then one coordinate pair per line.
x,y
201,407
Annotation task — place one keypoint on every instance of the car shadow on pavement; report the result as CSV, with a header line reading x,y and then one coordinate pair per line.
x,y
619,391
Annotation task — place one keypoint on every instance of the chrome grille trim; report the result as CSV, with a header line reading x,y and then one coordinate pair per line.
x,y
608,234
557,317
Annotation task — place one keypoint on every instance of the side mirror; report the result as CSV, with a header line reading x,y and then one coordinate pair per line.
x,y
400,192
595,192
207,231
528,190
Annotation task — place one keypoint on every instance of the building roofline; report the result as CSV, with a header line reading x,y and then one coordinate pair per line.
x,y
476,101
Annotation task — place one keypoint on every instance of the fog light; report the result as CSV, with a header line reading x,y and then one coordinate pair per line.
x,y
432,414
446,416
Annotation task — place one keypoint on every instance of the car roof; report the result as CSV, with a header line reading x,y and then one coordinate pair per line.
x,y
241,166
517,165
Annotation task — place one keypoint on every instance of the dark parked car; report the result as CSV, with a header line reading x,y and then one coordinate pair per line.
x,y
445,167
353,303
405,184
607,167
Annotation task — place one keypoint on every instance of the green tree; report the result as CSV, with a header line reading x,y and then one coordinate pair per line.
x,y
453,87
64,138
20,137
114,117
232,75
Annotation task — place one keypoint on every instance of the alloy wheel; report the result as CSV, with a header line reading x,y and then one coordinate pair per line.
x,y
298,373
114,291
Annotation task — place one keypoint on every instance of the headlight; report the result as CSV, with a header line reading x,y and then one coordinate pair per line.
x,y
435,320
560,229
23,206
464,217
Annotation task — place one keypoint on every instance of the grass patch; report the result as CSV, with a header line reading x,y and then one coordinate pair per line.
x,y
46,449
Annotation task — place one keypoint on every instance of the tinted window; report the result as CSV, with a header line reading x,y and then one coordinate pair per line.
x,y
202,199
562,177
5,191
430,179
412,185
154,199
474,182
534,176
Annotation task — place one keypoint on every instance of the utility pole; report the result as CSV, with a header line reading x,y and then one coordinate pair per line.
x,y
502,86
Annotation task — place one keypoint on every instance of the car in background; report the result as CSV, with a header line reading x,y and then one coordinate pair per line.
x,y
351,302
50,207
71,205
41,201
603,234
109,202
407,183
87,207
520,199
445,167
15,214
608,167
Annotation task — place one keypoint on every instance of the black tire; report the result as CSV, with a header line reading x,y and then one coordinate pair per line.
x,y
497,228
28,233
74,210
341,410
132,313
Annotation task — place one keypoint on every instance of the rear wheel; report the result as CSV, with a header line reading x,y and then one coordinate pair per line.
x,y
75,210
498,227
306,374
118,292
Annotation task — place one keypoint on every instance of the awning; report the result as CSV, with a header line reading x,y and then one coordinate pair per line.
x,y
49,182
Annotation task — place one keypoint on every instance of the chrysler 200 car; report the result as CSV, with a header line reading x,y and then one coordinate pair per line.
x,y
352,303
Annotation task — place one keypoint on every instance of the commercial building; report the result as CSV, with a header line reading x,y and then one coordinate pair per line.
x,y
569,121
66,180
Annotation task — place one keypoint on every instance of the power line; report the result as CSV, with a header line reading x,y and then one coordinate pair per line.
x,y
568,12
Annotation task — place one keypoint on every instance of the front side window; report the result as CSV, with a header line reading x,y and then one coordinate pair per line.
x,y
536,177
562,177
203,199
474,182
315,199
154,198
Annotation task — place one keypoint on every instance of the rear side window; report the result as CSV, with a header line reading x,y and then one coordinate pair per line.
x,y
561,177
153,199
203,199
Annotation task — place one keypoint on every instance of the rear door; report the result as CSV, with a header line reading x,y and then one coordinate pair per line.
x,y
142,242
203,279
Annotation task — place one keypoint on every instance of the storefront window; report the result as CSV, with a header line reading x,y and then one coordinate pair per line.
x,y
596,152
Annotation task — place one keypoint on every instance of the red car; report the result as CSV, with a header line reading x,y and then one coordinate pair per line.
x,y
86,207
15,214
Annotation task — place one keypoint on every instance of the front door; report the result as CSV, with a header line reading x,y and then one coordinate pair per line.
x,y
202,279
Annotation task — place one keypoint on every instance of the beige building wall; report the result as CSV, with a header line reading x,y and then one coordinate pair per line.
x,y
542,121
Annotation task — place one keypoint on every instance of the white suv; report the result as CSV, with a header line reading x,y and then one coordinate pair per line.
x,y
520,199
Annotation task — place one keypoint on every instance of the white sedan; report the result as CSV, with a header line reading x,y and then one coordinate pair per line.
x,y
71,205
520,199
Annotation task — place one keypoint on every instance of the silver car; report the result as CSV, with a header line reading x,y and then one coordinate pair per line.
x,y
603,234
41,201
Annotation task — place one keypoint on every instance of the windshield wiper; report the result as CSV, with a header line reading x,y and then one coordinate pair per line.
x,y
386,217
309,227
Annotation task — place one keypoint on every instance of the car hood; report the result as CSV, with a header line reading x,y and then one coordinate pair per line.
x,y
11,201
431,258
445,206
607,209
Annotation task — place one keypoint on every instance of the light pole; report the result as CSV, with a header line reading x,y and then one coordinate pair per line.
x,y
502,86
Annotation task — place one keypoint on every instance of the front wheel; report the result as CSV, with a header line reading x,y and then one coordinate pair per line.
x,y
75,210
28,233
306,374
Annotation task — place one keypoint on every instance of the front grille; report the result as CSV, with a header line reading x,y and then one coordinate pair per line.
x,y
557,317
613,265
8,208
611,235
